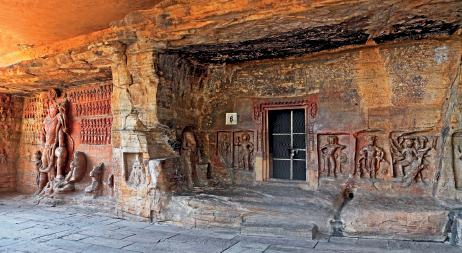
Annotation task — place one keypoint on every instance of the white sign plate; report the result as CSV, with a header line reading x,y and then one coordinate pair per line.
x,y
231,119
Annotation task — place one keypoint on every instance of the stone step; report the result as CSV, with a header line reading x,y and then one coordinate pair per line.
x,y
275,229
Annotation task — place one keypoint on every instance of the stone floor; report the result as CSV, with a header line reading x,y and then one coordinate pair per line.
x,y
25,227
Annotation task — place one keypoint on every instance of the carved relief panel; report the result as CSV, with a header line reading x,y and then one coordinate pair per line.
x,y
96,131
134,171
91,101
243,150
236,149
333,150
413,156
225,148
372,156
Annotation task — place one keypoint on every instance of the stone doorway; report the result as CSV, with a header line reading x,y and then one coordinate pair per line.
x,y
287,144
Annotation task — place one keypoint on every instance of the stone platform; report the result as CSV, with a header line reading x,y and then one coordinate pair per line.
x,y
418,218
284,210
28,227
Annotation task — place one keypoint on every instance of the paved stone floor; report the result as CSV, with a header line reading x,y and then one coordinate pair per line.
x,y
37,228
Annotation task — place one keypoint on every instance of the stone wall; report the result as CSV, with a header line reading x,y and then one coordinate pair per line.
x,y
10,127
90,123
397,92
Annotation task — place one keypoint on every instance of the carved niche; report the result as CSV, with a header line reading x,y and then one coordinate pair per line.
x,y
135,175
333,154
243,150
371,156
413,156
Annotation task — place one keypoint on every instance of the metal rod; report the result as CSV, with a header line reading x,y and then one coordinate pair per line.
x,y
291,144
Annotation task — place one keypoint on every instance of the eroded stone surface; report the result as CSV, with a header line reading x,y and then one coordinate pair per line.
x,y
419,218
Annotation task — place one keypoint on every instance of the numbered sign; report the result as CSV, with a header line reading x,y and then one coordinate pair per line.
x,y
231,118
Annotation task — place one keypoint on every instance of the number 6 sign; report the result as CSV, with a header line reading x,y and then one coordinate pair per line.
x,y
231,119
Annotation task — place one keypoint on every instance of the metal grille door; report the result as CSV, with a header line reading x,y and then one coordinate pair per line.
x,y
288,143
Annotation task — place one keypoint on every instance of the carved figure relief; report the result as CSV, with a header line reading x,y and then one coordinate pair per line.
x,y
333,155
225,148
189,144
96,175
91,101
410,156
53,138
243,150
371,158
64,185
137,175
95,131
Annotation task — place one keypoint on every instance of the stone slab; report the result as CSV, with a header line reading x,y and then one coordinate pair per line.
x,y
404,218
288,229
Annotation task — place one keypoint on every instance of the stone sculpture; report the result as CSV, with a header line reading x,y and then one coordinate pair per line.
x,y
78,170
96,175
38,164
137,175
225,145
53,139
246,151
189,150
237,144
330,153
411,157
370,157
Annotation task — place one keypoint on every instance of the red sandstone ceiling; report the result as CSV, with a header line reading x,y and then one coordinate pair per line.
x,y
38,22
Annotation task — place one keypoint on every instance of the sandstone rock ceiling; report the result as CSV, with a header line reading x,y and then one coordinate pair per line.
x,y
30,23
226,31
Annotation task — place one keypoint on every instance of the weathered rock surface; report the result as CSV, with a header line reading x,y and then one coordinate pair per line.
x,y
409,218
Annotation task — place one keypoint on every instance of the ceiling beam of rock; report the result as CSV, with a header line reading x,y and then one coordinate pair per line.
x,y
235,31
80,66
229,31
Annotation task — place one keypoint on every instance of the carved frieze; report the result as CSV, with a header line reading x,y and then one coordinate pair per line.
x,y
96,131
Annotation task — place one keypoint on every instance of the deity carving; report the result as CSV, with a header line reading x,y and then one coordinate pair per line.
x,y
64,185
370,158
96,175
333,156
410,155
190,151
225,145
137,175
246,151
243,150
53,139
